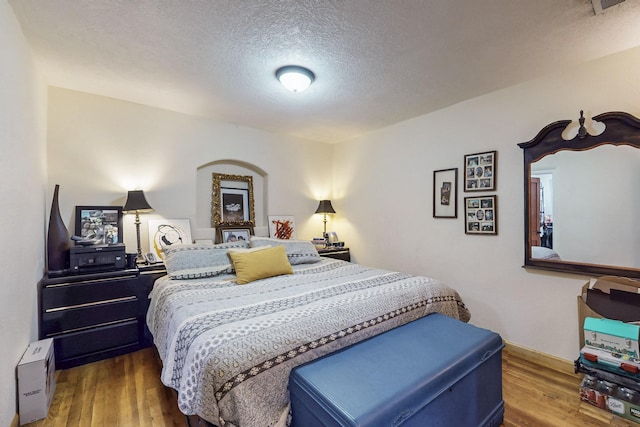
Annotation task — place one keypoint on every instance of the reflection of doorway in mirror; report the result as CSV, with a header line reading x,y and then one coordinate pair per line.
x,y
546,207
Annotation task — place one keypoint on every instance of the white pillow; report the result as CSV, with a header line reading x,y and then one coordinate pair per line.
x,y
194,261
298,251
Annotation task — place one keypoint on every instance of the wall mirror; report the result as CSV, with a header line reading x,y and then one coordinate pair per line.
x,y
582,200
232,201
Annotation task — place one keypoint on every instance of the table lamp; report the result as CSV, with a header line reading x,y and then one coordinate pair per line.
x,y
324,207
136,203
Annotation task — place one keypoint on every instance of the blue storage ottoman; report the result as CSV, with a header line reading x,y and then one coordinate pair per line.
x,y
434,371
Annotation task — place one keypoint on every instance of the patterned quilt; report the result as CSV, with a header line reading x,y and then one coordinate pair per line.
x,y
228,349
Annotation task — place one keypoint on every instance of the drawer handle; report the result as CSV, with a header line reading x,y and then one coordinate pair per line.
x,y
86,328
84,282
91,304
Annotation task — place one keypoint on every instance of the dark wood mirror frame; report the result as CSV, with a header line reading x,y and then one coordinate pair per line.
x,y
620,129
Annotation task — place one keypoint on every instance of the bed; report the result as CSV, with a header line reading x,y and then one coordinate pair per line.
x,y
227,349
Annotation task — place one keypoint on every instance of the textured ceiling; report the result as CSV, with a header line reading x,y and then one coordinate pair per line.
x,y
376,62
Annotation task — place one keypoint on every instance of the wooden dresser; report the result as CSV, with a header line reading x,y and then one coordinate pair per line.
x,y
97,315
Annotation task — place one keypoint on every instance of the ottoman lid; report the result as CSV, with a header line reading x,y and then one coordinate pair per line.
x,y
406,367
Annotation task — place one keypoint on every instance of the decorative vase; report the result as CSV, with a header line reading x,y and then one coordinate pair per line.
x,y
58,240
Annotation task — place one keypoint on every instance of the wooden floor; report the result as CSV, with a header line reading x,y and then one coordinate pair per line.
x,y
122,391
126,391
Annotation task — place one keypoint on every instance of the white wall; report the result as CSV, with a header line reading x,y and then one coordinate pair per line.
x,y
98,148
383,191
22,191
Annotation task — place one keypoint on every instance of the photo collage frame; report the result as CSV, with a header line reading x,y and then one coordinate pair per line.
x,y
481,215
481,211
480,172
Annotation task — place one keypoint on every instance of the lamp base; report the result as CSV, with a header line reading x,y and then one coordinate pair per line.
x,y
140,259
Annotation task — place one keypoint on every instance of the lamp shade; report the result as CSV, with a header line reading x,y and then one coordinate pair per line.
x,y
136,202
324,207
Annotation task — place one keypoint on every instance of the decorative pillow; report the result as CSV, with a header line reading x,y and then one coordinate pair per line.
x,y
194,261
298,251
259,263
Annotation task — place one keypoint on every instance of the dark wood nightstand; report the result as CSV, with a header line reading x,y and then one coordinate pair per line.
x,y
96,315
337,253
149,273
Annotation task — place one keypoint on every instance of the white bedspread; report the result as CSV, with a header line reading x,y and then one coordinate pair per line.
x,y
228,349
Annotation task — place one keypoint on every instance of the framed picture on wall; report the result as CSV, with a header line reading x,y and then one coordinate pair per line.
x,y
480,171
234,205
481,215
232,200
100,225
445,193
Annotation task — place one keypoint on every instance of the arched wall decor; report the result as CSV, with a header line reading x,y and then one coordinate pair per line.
x,y
204,192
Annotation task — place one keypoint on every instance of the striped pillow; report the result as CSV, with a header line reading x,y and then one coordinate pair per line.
x,y
195,261
298,251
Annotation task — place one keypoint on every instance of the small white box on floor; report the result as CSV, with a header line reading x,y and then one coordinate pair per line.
x,y
36,381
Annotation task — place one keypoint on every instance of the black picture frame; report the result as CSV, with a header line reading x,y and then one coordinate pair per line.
x,y
481,171
101,224
445,193
481,215
234,205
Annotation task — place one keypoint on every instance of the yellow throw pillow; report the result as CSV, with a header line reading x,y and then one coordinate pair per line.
x,y
260,264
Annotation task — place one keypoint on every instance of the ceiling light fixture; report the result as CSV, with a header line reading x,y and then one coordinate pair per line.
x,y
295,78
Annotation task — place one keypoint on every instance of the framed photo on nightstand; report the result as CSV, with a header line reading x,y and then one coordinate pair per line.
x,y
233,233
332,237
102,225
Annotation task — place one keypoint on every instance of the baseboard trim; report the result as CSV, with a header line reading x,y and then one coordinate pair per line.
x,y
543,359
15,422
